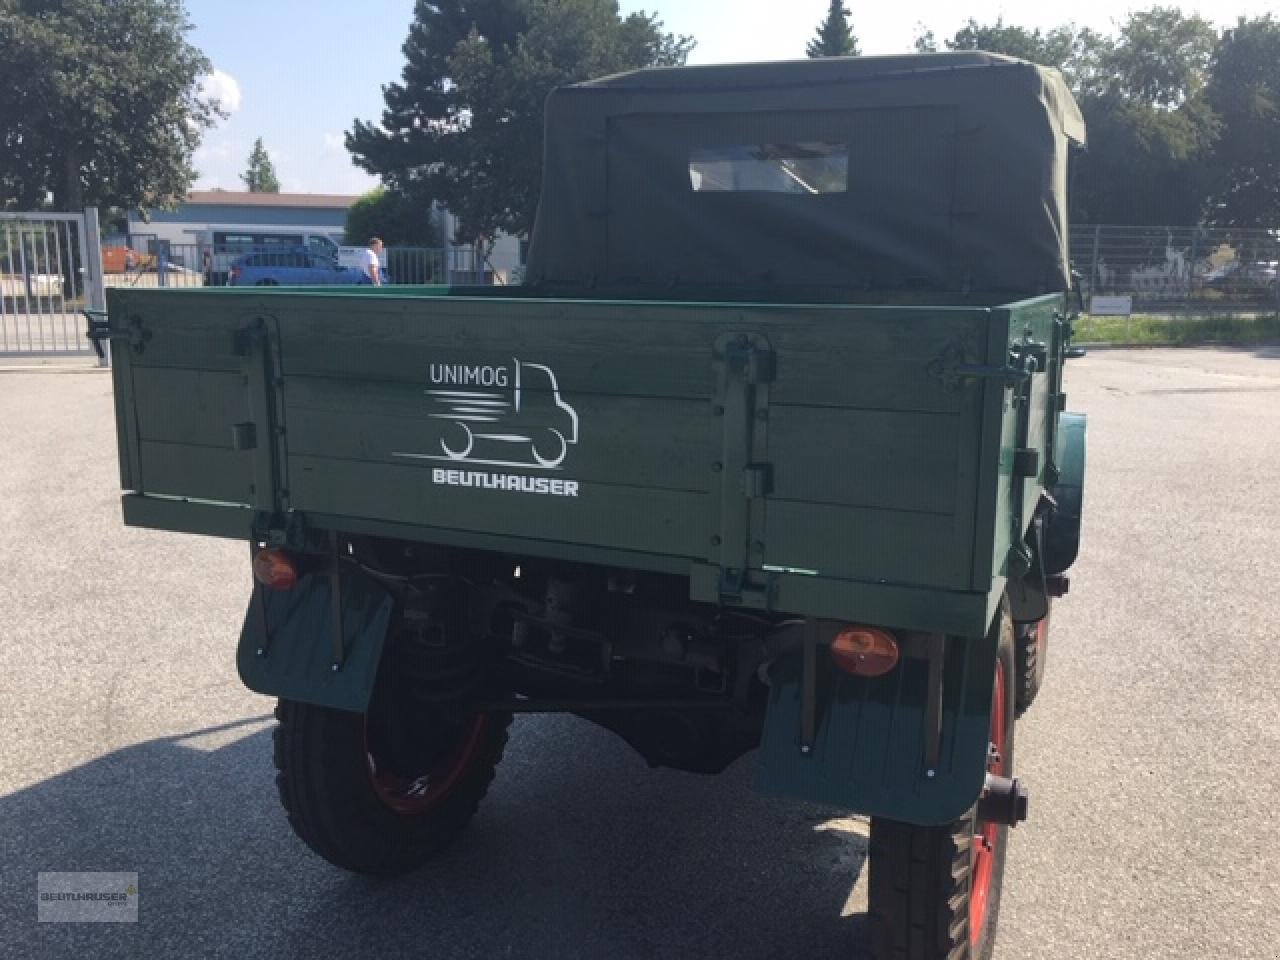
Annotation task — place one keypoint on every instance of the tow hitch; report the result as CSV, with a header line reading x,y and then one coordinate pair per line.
x,y
1002,801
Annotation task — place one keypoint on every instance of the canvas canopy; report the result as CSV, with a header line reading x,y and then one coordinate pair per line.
x,y
943,173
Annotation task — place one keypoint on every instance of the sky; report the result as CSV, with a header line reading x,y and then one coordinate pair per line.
x,y
298,72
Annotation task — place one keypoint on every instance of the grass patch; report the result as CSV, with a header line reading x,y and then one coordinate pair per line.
x,y
1237,329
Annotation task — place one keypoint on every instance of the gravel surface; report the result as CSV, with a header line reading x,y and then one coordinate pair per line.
x,y
130,744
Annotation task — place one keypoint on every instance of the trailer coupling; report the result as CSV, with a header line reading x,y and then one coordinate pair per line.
x,y
1003,801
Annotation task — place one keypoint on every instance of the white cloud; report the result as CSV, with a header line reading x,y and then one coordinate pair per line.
x,y
222,87
334,141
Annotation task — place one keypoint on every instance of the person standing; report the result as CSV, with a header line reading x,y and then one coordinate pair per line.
x,y
372,264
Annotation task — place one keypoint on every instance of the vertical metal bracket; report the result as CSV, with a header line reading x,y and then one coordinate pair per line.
x,y
261,433
335,599
259,601
936,647
809,688
746,365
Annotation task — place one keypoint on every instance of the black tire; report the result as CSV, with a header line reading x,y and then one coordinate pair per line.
x,y
1032,653
326,779
922,878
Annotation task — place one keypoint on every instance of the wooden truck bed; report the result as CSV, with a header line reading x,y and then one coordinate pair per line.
x,y
844,461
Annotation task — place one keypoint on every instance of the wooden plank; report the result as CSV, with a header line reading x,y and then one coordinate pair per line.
x,y
189,406
871,357
187,328
865,544
868,458
657,442
623,518
204,473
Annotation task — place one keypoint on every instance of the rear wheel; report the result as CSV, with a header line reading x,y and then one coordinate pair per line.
x,y
362,813
935,891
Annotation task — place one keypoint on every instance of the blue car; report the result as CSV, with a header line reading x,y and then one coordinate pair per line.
x,y
300,267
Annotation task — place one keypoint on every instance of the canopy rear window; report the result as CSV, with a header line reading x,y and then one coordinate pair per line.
x,y
811,167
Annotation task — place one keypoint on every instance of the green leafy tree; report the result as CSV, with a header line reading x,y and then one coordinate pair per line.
x,y
1245,93
1076,51
101,103
926,40
464,124
1152,130
834,35
397,219
260,175
1142,92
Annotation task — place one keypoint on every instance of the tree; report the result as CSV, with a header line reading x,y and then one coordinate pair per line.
x,y
1142,93
464,124
100,101
834,35
260,175
1245,93
397,219
1151,128
1076,51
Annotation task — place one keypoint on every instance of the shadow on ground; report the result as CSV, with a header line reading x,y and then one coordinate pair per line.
x,y
579,851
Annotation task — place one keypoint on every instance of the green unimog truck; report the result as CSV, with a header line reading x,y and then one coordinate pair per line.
x,y
769,453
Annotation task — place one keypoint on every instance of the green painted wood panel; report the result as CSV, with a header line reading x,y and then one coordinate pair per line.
x,y
828,355
203,473
626,518
883,475
858,543
869,458
198,407
658,442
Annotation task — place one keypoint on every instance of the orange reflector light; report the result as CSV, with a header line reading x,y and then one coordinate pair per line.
x,y
274,569
865,651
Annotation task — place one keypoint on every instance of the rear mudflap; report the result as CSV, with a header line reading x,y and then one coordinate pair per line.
x,y
289,644
883,746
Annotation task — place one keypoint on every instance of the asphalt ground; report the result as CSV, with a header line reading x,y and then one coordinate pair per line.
x,y
130,745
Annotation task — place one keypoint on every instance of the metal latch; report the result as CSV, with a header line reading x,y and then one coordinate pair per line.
x,y
99,329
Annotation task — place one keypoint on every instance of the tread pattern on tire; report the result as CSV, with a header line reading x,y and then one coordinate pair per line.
x,y
919,883
1030,669
328,796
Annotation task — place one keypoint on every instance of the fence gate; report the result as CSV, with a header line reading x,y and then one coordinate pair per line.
x,y
50,272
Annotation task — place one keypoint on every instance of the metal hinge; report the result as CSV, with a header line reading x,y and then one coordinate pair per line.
x,y
1026,462
756,362
757,479
99,329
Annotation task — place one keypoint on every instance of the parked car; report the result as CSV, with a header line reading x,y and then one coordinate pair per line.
x,y
1244,278
291,268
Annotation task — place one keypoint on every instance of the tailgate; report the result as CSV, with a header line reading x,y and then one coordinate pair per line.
x,y
815,459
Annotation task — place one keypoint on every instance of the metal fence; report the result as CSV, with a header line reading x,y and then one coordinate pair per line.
x,y
1180,270
50,272
144,260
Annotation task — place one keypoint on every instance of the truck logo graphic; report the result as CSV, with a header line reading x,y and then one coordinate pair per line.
x,y
523,423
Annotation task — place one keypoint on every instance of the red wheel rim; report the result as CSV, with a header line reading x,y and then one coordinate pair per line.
x,y
416,795
987,836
